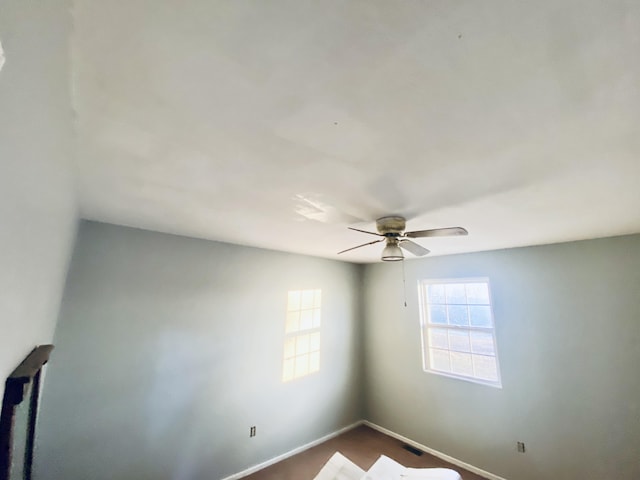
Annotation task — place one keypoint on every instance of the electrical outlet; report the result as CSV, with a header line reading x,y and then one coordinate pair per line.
x,y
252,431
520,447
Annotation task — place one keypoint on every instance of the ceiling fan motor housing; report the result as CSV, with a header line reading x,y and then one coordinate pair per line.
x,y
391,226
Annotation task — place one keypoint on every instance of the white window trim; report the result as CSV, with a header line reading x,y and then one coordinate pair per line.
x,y
424,326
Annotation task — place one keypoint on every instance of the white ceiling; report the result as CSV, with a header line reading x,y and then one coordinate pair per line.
x,y
279,123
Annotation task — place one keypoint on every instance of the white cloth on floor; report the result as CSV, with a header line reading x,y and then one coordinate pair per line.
x,y
384,469
387,469
339,467
431,474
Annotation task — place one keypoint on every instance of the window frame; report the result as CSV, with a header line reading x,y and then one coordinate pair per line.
x,y
425,325
295,334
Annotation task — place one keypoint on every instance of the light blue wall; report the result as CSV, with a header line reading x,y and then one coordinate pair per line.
x,y
37,201
568,331
170,348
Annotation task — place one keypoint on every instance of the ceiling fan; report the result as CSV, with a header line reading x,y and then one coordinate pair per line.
x,y
392,229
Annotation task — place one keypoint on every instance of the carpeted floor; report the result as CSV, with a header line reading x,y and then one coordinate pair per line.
x,y
363,446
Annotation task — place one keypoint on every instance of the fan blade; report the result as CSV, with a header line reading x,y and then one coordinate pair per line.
x,y
413,247
363,245
364,231
437,232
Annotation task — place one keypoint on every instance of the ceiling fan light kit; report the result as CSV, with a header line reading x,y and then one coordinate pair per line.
x,y
392,229
392,252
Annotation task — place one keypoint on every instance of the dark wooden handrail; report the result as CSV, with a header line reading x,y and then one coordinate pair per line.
x,y
14,392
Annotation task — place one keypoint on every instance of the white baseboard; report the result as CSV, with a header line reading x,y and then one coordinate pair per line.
x,y
293,452
433,452
408,441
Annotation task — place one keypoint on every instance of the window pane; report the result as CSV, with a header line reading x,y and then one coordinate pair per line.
x,y
478,293
289,347
303,316
455,293
482,342
306,319
302,365
440,360
294,300
438,314
459,341
461,363
458,315
302,344
459,327
480,316
438,338
436,293
485,367
293,322
314,362
307,299
314,342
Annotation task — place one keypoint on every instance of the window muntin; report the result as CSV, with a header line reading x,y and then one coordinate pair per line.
x,y
302,334
458,332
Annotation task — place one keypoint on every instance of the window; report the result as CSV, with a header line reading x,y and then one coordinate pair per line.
x,y
302,334
458,337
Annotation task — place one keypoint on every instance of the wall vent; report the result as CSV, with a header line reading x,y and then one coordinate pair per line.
x,y
413,450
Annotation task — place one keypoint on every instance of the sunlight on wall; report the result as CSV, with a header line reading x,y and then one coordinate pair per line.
x,y
302,334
